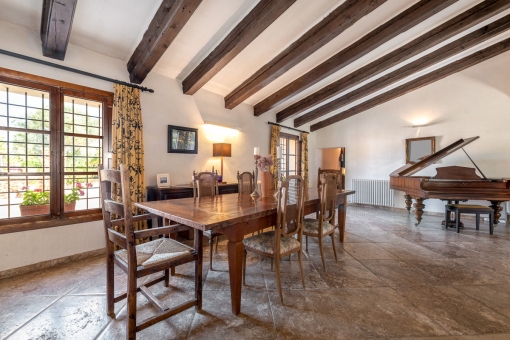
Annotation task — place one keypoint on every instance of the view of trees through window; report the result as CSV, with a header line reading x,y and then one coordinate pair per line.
x,y
26,130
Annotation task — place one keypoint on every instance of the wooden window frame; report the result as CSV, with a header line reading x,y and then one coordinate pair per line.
x,y
57,90
288,137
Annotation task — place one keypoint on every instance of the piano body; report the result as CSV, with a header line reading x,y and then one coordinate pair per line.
x,y
453,183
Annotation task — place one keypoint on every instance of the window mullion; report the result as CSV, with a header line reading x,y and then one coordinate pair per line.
x,y
56,104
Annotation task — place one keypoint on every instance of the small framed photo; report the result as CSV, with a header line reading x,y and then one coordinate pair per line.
x,y
182,139
163,180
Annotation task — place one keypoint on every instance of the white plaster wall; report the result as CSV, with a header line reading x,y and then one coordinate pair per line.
x,y
167,106
474,102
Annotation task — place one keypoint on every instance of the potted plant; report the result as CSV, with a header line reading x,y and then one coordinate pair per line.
x,y
37,202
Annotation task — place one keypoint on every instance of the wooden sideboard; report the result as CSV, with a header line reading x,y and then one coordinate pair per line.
x,y
183,191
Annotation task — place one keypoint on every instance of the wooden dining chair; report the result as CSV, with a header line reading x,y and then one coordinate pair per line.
x,y
287,237
246,182
205,184
158,255
324,224
329,171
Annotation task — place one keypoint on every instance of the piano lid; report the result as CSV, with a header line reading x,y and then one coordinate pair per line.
x,y
411,169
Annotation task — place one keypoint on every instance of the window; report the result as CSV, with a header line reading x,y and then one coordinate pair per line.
x,y
51,141
291,155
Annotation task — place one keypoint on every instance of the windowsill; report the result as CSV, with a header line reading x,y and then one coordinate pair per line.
x,y
27,226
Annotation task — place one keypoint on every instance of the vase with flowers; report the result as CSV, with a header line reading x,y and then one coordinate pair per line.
x,y
37,201
263,165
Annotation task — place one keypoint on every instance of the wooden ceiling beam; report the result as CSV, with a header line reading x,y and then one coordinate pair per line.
x,y
405,20
433,58
259,18
56,23
443,72
328,28
170,18
452,27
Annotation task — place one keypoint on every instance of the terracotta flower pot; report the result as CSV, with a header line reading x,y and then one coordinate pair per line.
x,y
266,180
29,210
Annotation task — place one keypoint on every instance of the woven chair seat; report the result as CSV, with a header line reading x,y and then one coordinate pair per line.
x,y
157,251
264,243
311,226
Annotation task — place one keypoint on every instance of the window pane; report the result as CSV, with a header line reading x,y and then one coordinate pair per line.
x,y
32,191
81,192
292,147
24,152
292,163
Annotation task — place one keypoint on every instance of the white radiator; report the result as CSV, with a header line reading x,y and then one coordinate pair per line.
x,y
372,191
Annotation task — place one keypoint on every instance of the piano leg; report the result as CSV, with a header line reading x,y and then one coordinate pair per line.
x,y
496,206
409,203
418,209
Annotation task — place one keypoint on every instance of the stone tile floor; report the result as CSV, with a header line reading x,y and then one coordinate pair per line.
x,y
392,280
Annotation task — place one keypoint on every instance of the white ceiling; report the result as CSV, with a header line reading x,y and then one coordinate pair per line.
x,y
114,28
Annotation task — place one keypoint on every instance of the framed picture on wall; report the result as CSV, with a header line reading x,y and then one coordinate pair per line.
x,y
163,180
182,139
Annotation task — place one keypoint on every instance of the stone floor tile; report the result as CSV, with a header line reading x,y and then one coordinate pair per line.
x,y
216,320
406,250
16,311
290,275
451,249
399,273
381,312
219,279
71,317
308,314
368,251
347,273
496,297
456,312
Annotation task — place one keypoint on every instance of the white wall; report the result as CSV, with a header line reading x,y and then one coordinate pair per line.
x,y
474,102
167,106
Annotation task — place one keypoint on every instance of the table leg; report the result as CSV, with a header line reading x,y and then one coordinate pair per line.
x,y
342,210
235,267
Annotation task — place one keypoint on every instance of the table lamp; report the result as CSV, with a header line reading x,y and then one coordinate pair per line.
x,y
222,150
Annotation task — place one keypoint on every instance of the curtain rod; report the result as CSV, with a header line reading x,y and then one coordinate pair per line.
x,y
70,69
286,127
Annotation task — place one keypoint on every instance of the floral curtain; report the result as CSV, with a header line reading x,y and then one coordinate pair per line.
x,y
127,142
304,157
275,141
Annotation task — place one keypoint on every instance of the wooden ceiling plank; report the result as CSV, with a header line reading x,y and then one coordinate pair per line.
x,y
331,26
435,57
457,66
254,23
56,23
402,22
452,27
170,18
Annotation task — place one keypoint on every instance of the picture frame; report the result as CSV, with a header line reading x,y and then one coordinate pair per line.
x,y
417,148
182,139
163,180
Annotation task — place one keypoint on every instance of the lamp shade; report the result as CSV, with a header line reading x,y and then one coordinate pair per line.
x,y
222,150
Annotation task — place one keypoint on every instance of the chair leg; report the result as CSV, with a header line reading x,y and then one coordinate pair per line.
x,y
300,257
217,241
306,241
167,277
491,223
457,221
322,253
110,284
446,217
477,221
278,279
272,264
244,266
131,306
211,244
333,243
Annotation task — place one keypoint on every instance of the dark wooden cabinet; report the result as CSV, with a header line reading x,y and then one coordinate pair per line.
x,y
183,191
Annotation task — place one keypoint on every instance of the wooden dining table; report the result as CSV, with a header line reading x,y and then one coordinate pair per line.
x,y
235,215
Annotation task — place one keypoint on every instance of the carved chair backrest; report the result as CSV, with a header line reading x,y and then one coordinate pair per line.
x,y
327,171
329,183
205,184
290,208
108,181
246,182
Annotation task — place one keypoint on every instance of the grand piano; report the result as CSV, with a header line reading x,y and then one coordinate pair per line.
x,y
451,183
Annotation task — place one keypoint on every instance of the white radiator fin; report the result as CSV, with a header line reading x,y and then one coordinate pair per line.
x,y
372,191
